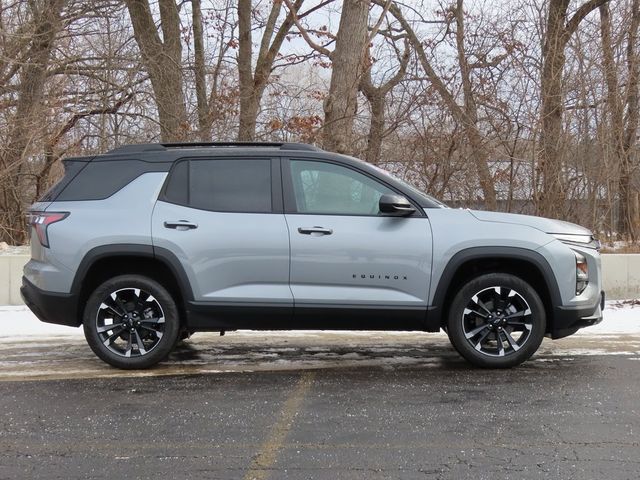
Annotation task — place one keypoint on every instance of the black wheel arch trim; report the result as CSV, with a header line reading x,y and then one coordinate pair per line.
x,y
436,309
169,259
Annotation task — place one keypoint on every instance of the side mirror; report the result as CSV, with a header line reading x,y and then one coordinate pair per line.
x,y
396,205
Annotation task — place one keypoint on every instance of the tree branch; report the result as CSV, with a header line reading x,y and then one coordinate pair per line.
x,y
584,10
376,27
304,33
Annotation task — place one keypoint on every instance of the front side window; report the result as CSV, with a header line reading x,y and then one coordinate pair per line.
x,y
233,185
326,188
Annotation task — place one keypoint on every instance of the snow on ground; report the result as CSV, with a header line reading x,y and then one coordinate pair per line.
x,y
619,317
19,322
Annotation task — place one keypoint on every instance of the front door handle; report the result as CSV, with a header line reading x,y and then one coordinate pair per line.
x,y
180,225
315,230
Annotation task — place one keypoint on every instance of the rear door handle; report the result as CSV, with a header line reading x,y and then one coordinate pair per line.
x,y
312,230
180,225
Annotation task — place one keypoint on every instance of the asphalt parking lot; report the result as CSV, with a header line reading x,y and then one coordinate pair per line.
x,y
321,406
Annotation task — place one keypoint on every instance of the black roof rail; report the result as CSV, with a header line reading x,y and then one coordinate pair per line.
x,y
160,147
300,146
280,145
137,148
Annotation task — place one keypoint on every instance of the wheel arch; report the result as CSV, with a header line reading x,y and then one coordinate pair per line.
x,y
528,265
104,262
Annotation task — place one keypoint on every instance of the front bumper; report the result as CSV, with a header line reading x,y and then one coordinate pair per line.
x,y
569,320
50,307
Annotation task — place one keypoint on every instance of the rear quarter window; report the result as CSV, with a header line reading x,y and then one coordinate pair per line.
x,y
100,180
71,169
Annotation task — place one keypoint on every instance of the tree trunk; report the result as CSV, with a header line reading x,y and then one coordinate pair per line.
x,y
376,129
340,105
163,61
478,152
204,123
376,96
253,84
551,201
248,108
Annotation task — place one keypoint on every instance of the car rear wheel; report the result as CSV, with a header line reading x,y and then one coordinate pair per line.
x,y
496,320
131,322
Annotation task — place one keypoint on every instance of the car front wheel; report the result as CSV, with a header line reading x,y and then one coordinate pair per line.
x,y
496,320
131,322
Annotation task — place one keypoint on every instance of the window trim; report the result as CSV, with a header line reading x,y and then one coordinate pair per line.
x,y
276,183
290,206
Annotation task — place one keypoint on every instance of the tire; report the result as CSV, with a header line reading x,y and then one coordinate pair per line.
x,y
509,309
144,319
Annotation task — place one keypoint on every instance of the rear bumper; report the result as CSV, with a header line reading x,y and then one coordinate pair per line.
x,y
50,307
568,320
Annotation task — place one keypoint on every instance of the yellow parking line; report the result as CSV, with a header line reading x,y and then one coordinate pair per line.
x,y
268,452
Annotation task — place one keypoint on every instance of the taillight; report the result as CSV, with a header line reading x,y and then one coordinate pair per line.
x,y
40,221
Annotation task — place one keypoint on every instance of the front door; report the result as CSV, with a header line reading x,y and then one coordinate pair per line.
x,y
346,254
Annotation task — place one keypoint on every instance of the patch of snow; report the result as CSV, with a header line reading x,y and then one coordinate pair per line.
x,y
17,322
618,318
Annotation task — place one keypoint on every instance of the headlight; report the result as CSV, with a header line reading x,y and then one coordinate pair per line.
x,y
579,240
582,273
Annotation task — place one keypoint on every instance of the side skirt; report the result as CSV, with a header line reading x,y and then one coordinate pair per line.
x,y
232,316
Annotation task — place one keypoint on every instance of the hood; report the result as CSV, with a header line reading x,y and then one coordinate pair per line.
x,y
546,225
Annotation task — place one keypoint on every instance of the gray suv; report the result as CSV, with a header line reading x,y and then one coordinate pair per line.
x,y
147,244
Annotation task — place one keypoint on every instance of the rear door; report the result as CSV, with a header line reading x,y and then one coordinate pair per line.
x,y
222,218
345,253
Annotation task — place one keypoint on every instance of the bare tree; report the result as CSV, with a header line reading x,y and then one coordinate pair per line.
x,y
559,29
469,103
467,116
376,96
347,59
46,22
254,81
623,126
163,61
199,67
214,74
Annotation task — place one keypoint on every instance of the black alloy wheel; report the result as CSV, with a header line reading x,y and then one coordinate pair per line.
x,y
497,321
131,322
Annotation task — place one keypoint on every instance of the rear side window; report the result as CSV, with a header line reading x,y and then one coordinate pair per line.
x,y
222,185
